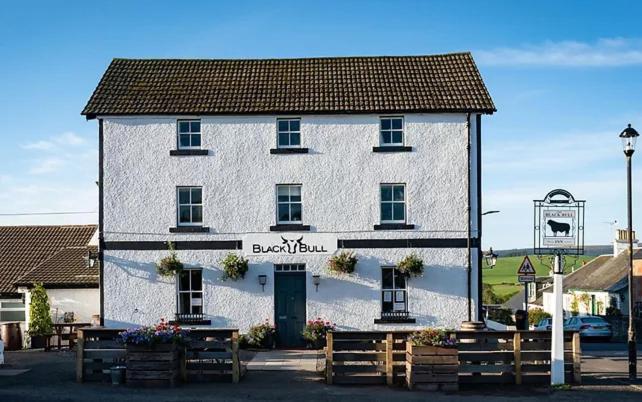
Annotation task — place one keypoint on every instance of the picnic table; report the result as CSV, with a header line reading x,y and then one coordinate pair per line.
x,y
65,332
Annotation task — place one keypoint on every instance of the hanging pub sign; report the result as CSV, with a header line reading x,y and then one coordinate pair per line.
x,y
289,243
559,224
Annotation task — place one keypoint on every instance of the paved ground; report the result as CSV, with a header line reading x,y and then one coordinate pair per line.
x,y
287,360
51,378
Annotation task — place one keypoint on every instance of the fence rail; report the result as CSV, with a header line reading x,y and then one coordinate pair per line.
x,y
358,357
212,355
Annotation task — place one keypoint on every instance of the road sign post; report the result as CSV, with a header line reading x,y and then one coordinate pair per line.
x,y
526,274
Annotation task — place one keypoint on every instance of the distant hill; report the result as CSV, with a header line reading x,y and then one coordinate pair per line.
x,y
591,251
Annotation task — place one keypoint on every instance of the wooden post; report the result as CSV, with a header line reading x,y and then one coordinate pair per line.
x,y
80,356
389,359
328,358
577,358
236,364
517,357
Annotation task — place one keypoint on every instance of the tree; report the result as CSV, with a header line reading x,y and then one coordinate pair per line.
x,y
489,296
535,315
39,312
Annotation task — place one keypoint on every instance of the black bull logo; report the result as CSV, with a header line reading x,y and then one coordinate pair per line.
x,y
289,246
559,227
293,245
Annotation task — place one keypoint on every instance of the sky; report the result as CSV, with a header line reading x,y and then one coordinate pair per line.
x,y
565,76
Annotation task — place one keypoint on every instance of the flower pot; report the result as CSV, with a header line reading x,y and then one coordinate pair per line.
x,y
152,365
318,343
117,375
432,367
38,341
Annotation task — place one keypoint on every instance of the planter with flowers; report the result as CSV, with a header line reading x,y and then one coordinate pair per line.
x,y
343,263
262,336
154,354
411,266
315,331
432,361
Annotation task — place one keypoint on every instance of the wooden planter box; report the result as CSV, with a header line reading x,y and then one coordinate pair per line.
x,y
431,367
153,366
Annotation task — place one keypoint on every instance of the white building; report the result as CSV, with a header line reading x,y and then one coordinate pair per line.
x,y
376,155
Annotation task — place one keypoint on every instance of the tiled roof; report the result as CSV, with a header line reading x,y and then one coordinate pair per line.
x,y
24,247
391,84
66,268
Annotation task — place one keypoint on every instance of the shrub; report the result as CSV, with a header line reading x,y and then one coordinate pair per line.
x,y
343,263
170,265
39,312
502,316
411,265
315,331
161,333
262,335
489,296
234,267
432,337
613,311
536,315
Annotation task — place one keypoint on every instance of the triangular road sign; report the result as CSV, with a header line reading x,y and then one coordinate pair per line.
x,y
526,268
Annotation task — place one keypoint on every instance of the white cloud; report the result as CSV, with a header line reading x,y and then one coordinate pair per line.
x,y
607,52
57,142
69,138
39,145
47,165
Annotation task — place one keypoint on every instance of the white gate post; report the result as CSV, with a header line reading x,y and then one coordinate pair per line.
x,y
557,341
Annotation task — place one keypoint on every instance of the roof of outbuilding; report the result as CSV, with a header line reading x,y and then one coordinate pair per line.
x,y
66,268
383,84
24,247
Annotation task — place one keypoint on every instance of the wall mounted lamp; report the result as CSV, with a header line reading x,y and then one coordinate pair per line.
x,y
262,281
316,280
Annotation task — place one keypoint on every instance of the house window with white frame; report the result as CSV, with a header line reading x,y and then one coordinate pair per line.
x,y
394,295
190,292
391,131
289,133
190,206
289,206
12,310
189,134
393,203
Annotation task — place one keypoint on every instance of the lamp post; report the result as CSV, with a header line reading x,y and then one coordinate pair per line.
x,y
629,136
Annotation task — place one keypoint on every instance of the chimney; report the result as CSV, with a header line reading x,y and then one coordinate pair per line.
x,y
621,242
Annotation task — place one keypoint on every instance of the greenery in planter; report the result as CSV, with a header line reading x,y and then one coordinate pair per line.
x,y
161,333
411,265
343,263
169,265
39,312
262,335
315,331
432,337
234,267
535,315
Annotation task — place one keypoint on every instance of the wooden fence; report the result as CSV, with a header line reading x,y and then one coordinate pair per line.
x,y
212,355
356,357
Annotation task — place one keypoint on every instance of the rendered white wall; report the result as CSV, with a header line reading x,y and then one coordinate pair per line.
x,y
83,302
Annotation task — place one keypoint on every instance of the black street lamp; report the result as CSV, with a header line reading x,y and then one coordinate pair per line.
x,y
629,136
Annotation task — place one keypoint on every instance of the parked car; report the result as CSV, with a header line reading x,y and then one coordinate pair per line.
x,y
590,327
544,325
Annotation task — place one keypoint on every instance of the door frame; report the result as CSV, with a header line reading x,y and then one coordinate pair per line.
x,y
303,274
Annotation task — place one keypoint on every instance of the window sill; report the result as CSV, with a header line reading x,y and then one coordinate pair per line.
x,y
396,148
189,229
289,150
394,321
188,152
290,228
393,226
191,322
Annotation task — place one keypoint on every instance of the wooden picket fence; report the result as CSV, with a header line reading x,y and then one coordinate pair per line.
x,y
213,355
358,357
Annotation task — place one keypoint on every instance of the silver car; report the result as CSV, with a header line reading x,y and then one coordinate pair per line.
x,y
590,327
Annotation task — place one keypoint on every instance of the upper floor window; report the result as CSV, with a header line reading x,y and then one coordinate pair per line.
x,y
289,133
190,206
394,297
393,203
189,134
190,292
391,131
289,208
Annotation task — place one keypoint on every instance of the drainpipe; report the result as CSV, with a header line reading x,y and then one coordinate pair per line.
x,y
468,223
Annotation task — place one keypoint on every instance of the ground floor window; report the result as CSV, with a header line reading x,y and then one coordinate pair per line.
x,y
289,267
12,310
394,295
190,292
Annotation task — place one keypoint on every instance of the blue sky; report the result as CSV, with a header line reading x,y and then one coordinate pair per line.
x,y
566,77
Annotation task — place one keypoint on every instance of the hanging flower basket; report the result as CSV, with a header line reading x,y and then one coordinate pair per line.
x,y
344,263
411,266
234,267
170,265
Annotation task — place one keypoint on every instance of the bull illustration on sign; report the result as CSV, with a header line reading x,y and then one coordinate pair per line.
x,y
292,245
559,227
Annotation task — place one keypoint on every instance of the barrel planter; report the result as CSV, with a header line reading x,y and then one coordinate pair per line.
x,y
153,365
431,368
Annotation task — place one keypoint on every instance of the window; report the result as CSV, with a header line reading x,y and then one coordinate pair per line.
x,y
289,267
393,203
391,131
394,296
289,203
190,292
189,134
190,206
12,310
289,133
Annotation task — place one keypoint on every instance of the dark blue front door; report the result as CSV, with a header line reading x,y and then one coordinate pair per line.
x,y
289,308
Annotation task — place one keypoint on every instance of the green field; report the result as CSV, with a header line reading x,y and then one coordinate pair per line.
x,y
503,277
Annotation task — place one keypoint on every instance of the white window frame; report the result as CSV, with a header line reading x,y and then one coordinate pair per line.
x,y
178,133
190,291
289,267
394,291
289,132
12,309
289,202
179,205
381,130
405,203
